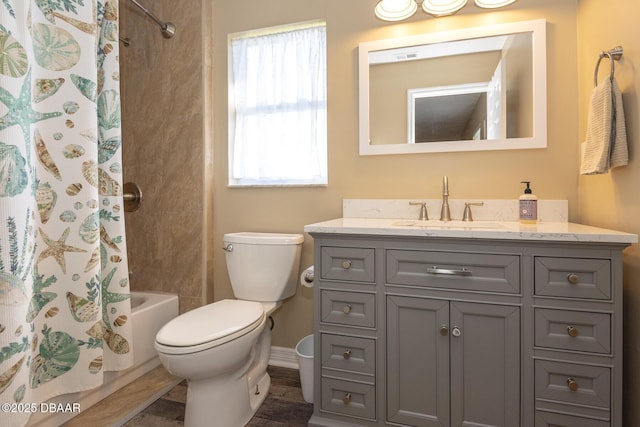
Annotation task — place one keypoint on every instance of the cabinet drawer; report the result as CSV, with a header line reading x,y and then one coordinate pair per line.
x,y
349,308
573,278
583,385
573,330
349,398
454,270
550,419
349,264
349,353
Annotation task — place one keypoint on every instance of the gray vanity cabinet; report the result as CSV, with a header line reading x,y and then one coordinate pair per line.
x,y
441,353
440,331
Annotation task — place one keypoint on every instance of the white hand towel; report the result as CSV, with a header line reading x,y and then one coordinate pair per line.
x,y
619,151
605,146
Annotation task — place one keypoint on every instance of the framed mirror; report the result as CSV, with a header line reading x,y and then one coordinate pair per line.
x,y
474,89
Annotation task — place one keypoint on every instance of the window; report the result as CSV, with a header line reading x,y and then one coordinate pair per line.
x,y
278,106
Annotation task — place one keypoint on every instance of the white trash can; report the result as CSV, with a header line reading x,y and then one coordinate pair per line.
x,y
304,350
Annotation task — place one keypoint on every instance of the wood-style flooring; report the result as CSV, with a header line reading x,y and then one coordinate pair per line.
x,y
284,406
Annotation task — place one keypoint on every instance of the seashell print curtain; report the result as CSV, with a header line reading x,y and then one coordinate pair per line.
x,y
64,288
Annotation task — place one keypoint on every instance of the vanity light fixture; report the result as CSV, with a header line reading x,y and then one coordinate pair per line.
x,y
442,7
493,4
395,10
399,10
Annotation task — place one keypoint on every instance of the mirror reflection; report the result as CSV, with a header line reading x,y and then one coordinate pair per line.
x,y
474,89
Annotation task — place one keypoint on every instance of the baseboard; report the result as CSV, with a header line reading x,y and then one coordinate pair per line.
x,y
284,357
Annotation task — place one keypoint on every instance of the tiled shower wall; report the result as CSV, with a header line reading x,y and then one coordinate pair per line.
x,y
163,150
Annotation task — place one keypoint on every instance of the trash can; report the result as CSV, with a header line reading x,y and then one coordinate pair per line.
x,y
304,350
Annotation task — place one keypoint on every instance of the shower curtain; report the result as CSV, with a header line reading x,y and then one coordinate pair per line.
x,y
64,288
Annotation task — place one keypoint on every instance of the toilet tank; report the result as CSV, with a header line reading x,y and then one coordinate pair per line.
x,y
263,266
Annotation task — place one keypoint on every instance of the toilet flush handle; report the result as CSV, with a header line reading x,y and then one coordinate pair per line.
x,y
228,247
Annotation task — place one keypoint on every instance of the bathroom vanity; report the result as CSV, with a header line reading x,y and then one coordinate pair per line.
x,y
424,323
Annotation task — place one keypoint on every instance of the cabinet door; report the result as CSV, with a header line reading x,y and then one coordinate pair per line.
x,y
417,361
485,364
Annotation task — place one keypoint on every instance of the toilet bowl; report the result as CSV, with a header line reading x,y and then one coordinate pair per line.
x,y
222,349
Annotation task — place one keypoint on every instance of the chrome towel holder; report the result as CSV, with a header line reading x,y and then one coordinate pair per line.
x,y
614,55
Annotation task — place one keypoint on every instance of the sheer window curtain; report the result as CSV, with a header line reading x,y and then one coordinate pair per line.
x,y
278,108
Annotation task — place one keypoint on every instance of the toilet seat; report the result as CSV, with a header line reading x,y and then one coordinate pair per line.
x,y
209,326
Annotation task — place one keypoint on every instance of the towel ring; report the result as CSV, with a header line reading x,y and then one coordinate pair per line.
x,y
614,55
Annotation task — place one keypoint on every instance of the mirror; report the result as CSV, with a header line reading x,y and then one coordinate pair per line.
x,y
473,89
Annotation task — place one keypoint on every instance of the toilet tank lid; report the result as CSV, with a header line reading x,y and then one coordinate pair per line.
x,y
264,238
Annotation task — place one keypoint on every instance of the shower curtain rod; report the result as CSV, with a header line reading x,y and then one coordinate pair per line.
x,y
168,29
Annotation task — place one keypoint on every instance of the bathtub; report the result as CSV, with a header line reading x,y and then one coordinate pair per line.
x,y
150,311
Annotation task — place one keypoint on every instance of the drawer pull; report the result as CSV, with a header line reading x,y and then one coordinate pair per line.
x,y
456,332
573,278
346,399
572,384
346,264
346,309
462,272
444,331
346,354
572,331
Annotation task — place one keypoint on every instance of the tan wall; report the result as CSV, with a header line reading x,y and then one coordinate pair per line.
x,y
612,200
496,174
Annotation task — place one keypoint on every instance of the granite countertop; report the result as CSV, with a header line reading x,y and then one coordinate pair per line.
x,y
501,230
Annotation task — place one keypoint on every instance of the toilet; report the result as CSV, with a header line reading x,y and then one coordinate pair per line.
x,y
222,349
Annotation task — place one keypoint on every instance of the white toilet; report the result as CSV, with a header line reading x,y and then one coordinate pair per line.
x,y
223,349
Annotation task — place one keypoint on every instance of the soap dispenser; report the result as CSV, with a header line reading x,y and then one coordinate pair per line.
x,y
528,206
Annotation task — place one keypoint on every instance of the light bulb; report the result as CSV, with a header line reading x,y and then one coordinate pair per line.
x,y
493,4
442,7
395,10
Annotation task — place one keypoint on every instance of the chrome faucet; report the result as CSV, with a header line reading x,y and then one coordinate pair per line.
x,y
424,215
467,216
445,213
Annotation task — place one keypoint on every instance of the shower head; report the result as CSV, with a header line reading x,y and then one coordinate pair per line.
x,y
168,29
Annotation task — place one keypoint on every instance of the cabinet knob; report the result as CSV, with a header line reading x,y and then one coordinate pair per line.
x,y
456,332
346,264
346,354
346,399
346,309
444,330
572,331
573,278
572,384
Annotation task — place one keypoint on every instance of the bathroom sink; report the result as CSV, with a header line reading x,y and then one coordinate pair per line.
x,y
450,225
